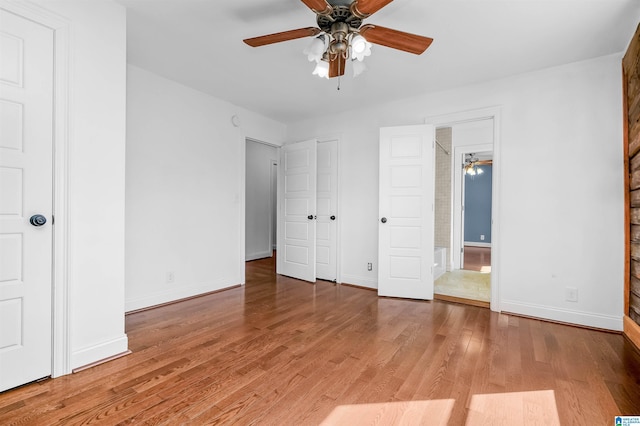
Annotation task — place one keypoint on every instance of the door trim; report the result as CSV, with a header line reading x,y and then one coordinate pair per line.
x,y
495,113
60,295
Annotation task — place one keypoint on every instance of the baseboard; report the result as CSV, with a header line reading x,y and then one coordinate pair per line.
x,y
176,294
474,244
100,351
632,331
102,361
588,319
259,255
359,281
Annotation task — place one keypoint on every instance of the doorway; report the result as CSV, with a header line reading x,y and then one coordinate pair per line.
x,y
464,207
476,212
261,171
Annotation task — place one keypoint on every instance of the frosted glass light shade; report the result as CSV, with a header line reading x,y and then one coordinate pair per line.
x,y
322,69
316,48
360,47
358,68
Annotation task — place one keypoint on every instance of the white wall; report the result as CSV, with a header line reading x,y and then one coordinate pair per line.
x,y
560,226
184,189
259,200
96,174
478,132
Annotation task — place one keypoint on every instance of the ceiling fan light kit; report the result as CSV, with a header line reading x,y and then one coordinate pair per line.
x,y
340,35
471,164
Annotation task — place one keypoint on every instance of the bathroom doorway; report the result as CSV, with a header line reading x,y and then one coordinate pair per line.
x,y
463,212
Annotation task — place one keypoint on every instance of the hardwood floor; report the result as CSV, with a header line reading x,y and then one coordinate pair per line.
x,y
477,259
284,352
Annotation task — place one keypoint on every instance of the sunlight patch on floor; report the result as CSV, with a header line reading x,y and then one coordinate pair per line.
x,y
510,408
434,412
514,408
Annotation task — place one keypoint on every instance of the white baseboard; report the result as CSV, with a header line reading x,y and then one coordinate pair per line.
x,y
177,294
474,244
359,281
100,351
259,255
589,319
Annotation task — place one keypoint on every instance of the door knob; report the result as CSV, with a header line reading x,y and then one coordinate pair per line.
x,y
332,217
37,220
383,220
310,217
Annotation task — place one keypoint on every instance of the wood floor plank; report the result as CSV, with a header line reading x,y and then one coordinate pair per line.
x,y
281,351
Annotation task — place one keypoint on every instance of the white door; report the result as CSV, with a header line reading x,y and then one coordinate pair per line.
x,y
327,199
26,189
405,236
296,256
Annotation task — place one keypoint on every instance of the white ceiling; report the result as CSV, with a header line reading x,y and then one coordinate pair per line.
x,y
199,44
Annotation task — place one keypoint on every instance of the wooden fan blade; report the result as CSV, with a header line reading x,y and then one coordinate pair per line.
x,y
395,39
283,36
320,7
366,8
484,162
336,66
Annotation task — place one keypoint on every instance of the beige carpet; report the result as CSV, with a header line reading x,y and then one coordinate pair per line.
x,y
465,284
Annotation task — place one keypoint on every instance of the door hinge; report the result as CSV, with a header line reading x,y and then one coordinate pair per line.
x,y
53,219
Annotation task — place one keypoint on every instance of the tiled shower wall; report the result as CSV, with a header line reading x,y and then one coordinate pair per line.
x,y
442,219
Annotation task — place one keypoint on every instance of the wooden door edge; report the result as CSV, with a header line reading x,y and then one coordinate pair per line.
x,y
627,206
632,331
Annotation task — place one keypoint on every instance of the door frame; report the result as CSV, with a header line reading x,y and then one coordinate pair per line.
x,y
62,259
495,113
274,163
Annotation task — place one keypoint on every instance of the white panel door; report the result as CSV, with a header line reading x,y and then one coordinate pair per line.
x,y
405,227
296,255
26,189
327,199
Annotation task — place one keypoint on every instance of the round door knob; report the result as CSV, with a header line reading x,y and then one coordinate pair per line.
x,y
310,217
37,220
383,220
332,217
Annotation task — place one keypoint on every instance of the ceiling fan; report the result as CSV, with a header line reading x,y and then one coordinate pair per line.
x,y
471,163
340,34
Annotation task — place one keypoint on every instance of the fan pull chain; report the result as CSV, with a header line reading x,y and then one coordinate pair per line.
x,y
339,80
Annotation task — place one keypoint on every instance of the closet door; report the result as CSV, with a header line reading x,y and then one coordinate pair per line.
x,y
327,200
296,256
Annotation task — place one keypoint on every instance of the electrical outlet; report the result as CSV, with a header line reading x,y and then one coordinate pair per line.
x,y
171,277
481,237
571,294
369,266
